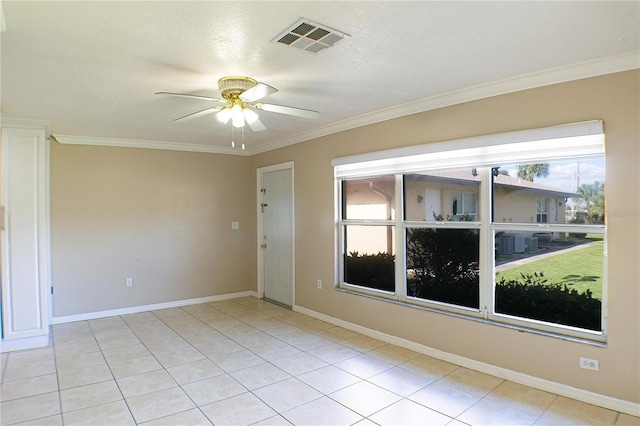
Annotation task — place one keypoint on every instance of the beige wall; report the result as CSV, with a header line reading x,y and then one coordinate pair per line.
x,y
612,98
160,217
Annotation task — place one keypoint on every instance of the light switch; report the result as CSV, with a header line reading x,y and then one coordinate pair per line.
x,y
235,225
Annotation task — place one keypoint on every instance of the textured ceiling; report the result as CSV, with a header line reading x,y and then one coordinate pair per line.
x,y
91,68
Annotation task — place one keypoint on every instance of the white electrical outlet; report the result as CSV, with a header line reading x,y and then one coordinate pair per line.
x,y
235,225
319,284
129,282
589,364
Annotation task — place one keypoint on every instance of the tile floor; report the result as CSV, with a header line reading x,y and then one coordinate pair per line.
x,y
246,361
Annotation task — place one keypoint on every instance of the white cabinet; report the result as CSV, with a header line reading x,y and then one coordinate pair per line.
x,y
26,279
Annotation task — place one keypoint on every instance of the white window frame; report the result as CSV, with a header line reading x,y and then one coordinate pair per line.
x,y
579,140
541,213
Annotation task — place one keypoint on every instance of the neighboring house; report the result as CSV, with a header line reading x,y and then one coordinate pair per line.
x,y
452,195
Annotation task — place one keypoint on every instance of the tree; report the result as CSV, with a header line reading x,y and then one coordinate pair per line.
x,y
530,171
593,201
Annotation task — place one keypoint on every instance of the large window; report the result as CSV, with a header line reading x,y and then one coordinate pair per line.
x,y
512,233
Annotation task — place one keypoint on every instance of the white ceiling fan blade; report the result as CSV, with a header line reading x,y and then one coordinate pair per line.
x,y
298,112
198,114
258,91
184,95
257,125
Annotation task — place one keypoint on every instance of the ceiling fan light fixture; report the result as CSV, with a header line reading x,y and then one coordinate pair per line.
x,y
249,115
237,118
224,115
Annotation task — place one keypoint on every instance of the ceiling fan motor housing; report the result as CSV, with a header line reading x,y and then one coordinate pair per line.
x,y
232,87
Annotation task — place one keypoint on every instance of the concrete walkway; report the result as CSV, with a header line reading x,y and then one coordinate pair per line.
x,y
526,260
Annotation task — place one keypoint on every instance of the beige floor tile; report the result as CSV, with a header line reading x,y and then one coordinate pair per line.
x,y
569,411
260,375
367,422
89,396
55,420
471,381
314,325
307,342
30,408
213,389
178,356
193,417
26,364
123,353
255,338
89,359
31,356
237,360
490,413
409,413
364,366
106,323
322,411
219,347
78,347
167,343
138,317
242,409
428,366
267,324
300,363
445,399
400,381
287,394
275,350
273,421
140,384
202,337
334,353
523,398
337,334
109,342
194,371
28,387
376,398
362,343
329,379
83,376
393,354
131,367
159,404
112,413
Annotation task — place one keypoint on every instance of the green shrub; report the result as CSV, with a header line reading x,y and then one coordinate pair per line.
x,y
371,270
533,297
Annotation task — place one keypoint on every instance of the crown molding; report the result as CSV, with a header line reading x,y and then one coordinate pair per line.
x,y
25,123
139,143
592,68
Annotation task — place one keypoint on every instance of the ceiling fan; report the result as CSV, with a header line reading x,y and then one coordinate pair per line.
x,y
239,99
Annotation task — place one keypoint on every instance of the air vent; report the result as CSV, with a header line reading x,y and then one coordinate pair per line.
x,y
310,36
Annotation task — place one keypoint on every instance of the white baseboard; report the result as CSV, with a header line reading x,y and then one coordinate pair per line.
x,y
24,343
605,401
154,307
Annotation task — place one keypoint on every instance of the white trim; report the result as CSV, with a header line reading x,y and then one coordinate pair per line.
x,y
24,343
623,406
592,68
153,307
555,142
138,143
260,226
26,123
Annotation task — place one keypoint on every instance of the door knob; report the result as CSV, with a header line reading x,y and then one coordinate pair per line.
x,y
263,246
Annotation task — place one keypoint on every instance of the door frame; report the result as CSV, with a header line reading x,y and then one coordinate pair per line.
x,y
260,227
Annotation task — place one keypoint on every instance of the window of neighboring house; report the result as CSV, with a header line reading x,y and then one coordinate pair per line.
x,y
461,230
463,205
541,210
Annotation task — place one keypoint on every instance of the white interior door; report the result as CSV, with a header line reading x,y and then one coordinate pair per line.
x,y
277,238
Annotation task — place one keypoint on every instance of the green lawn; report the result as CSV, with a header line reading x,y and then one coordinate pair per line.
x,y
581,269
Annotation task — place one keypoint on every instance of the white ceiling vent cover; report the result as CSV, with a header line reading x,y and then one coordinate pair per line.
x,y
310,36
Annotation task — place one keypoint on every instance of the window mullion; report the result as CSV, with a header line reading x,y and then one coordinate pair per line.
x,y
401,241
486,243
